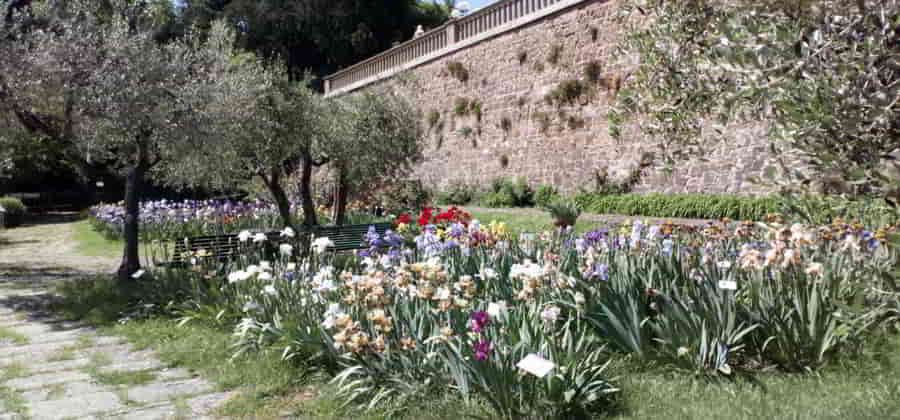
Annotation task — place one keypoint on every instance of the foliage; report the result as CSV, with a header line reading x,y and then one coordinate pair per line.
x,y
315,36
507,192
545,194
15,211
565,212
819,72
567,92
458,194
593,72
377,140
819,209
458,71
446,303
404,195
695,206
463,106
555,53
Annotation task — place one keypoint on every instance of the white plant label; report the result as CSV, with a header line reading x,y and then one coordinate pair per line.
x,y
728,284
536,365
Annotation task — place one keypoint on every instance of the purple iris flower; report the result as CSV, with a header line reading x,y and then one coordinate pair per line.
x,y
600,271
482,350
479,320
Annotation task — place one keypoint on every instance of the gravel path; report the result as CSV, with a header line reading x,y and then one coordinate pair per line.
x,y
51,369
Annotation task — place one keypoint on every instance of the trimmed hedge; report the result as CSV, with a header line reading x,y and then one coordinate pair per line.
x,y
688,206
15,211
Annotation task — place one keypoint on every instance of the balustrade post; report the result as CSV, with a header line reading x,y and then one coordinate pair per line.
x,y
451,34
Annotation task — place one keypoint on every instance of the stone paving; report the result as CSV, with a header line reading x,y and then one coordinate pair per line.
x,y
51,369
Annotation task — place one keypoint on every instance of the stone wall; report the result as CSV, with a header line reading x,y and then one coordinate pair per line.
x,y
518,133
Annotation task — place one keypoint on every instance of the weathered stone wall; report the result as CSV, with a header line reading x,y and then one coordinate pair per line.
x,y
520,134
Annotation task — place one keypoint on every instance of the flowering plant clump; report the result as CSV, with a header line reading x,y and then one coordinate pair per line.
x,y
528,324
165,219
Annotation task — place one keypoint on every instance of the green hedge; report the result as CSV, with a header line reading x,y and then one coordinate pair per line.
x,y
688,206
15,211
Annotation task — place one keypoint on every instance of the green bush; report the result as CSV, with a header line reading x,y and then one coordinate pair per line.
x,y
564,212
506,192
691,206
458,194
15,211
545,195
822,210
406,195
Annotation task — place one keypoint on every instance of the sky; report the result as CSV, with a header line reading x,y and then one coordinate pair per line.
x,y
477,4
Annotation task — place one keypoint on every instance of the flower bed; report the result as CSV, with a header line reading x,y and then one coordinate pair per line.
x,y
166,219
528,324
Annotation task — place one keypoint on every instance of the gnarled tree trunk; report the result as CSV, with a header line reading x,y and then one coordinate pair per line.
x,y
134,181
309,209
341,191
273,183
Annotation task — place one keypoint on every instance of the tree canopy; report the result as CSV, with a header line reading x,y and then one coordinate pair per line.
x,y
316,36
824,75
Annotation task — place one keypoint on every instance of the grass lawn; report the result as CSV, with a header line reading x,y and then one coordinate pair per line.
x,y
92,244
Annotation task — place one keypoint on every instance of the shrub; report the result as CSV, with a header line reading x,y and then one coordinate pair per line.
x,y
696,206
15,211
405,195
567,92
457,194
544,195
564,212
506,192
555,54
505,124
433,117
462,107
593,72
458,71
496,199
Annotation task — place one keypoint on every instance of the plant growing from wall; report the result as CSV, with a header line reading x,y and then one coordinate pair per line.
x,y
433,118
543,121
555,54
567,92
458,71
574,122
469,134
476,110
506,124
462,107
593,72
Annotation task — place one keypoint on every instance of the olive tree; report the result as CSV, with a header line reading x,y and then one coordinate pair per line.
x,y
379,139
268,127
822,74
91,76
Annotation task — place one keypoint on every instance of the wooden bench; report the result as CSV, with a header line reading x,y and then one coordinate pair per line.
x,y
345,238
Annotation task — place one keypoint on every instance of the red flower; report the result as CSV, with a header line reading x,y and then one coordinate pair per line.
x,y
425,216
404,219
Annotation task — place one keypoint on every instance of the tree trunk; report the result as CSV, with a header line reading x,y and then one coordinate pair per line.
x,y
339,211
309,209
133,185
280,197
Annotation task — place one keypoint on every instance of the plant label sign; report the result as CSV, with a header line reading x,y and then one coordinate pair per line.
x,y
536,365
728,284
